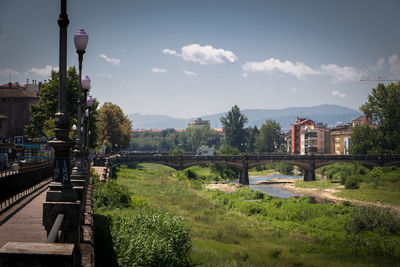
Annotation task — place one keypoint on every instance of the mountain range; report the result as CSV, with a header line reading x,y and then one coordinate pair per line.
x,y
327,114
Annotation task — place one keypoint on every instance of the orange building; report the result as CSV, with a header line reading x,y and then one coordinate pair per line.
x,y
296,134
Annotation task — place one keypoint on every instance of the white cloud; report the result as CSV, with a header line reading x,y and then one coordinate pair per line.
x,y
190,73
157,70
111,60
298,69
46,71
394,64
337,93
245,75
380,64
123,50
342,74
301,70
106,75
204,54
7,72
294,90
170,52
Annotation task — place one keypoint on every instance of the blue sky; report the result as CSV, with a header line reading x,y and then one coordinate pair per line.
x,y
192,58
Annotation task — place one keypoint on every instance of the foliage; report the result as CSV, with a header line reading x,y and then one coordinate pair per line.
x,y
270,138
151,238
42,117
114,126
233,124
193,137
190,139
281,167
251,136
365,140
176,152
223,170
110,196
351,182
372,219
383,107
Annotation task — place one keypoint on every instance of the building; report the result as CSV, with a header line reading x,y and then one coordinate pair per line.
x,y
199,122
341,139
295,147
15,100
315,139
362,121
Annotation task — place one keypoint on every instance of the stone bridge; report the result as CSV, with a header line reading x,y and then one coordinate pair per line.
x,y
243,162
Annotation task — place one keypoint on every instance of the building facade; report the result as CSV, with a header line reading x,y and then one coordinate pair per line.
x,y
199,122
295,147
15,100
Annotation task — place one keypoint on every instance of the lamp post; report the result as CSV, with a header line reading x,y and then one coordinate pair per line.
x,y
89,104
61,143
81,40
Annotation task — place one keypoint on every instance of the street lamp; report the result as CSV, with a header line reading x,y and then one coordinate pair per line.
x,y
85,87
61,143
80,39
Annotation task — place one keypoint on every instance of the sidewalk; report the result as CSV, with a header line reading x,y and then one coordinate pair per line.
x,y
23,223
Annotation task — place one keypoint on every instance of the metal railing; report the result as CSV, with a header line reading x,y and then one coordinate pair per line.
x,y
56,233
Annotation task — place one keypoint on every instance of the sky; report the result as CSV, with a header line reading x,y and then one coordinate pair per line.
x,y
188,58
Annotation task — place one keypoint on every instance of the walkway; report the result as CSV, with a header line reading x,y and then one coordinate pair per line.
x,y
23,222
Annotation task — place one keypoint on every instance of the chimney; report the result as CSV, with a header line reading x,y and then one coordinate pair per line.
x,y
10,84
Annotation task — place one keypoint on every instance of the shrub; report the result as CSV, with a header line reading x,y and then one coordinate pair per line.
x,y
110,196
351,183
152,238
190,174
372,219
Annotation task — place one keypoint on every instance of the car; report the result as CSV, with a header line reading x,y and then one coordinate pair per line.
x,y
157,155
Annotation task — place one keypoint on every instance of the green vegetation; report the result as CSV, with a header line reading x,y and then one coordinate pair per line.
x,y
380,185
233,124
245,228
270,138
268,169
115,129
41,121
383,107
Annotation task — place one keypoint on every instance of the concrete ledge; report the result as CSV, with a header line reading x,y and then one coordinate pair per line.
x,y
38,254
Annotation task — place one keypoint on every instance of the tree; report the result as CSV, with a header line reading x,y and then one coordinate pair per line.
x,y
43,113
233,125
114,127
383,106
270,138
251,136
365,140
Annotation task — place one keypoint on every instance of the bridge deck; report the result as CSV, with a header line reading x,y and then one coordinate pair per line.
x,y
23,223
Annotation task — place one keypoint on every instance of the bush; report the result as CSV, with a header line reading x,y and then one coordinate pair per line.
x,y
372,219
151,239
110,196
351,183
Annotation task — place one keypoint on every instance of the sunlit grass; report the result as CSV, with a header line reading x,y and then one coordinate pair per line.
x,y
226,237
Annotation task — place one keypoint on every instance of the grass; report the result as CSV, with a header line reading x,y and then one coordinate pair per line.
x,y
381,185
389,196
227,236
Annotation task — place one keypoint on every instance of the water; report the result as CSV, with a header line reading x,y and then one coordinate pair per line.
x,y
275,191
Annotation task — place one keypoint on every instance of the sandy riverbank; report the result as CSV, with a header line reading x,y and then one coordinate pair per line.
x,y
320,195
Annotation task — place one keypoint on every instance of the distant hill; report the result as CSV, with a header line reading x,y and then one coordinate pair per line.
x,y
327,114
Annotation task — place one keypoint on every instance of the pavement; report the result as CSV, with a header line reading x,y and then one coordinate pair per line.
x,y
23,222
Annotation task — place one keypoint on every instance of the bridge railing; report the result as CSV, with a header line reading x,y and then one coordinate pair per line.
x,y
17,185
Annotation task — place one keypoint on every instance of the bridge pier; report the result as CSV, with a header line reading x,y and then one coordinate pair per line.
x,y
244,172
309,175
244,177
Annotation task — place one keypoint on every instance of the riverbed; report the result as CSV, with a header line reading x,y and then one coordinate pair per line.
x,y
271,189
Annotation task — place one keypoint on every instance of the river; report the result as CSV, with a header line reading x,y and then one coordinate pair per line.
x,y
273,190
